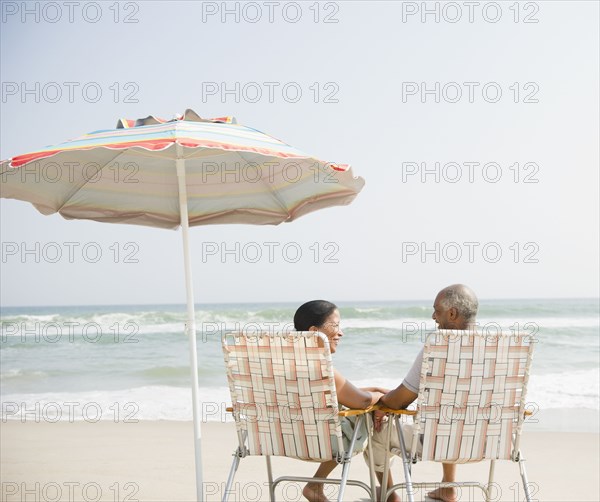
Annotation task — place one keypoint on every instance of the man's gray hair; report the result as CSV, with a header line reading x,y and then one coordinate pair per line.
x,y
463,299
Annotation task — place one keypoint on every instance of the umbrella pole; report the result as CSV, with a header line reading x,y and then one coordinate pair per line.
x,y
191,323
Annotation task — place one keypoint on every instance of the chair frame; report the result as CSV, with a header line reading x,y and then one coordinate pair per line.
x,y
343,457
409,458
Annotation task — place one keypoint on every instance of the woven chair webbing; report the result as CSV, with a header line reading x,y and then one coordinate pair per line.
x,y
283,395
471,395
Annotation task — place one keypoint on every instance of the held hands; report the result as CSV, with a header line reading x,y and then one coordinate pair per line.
x,y
379,417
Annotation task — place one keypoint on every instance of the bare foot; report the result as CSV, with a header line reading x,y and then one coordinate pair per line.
x,y
313,492
444,494
393,497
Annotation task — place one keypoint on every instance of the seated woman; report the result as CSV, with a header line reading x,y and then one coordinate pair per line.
x,y
323,316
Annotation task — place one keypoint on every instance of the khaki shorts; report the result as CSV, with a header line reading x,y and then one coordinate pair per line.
x,y
348,424
378,443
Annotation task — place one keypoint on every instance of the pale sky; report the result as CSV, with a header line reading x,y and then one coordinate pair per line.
x,y
507,109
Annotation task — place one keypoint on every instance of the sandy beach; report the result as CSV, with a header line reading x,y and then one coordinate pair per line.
x,y
153,461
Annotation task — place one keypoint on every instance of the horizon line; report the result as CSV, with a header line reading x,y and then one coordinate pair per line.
x,y
341,302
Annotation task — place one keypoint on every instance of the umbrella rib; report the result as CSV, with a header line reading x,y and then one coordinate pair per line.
x,y
273,193
70,196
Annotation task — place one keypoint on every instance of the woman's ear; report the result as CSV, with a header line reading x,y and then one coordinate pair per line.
x,y
313,328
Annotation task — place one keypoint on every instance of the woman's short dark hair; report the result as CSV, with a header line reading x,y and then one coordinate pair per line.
x,y
313,313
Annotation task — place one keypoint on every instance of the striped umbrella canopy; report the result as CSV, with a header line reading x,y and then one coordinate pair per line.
x,y
233,173
183,172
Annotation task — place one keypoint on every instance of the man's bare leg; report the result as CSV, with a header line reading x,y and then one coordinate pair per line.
x,y
394,497
314,492
446,494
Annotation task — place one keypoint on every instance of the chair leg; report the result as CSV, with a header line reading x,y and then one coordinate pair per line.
x,y
347,458
524,478
405,462
344,480
386,461
232,471
490,481
270,476
372,477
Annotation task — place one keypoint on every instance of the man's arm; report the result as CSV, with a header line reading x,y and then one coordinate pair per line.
x,y
399,398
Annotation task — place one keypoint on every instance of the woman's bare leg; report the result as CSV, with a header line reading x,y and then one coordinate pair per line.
x,y
313,492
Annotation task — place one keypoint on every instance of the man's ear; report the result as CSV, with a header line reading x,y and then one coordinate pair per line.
x,y
453,313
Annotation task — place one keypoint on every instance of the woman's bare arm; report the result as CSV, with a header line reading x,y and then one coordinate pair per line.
x,y
351,396
376,389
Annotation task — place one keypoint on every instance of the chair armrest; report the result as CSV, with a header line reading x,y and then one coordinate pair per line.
x,y
343,413
375,407
379,407
350,413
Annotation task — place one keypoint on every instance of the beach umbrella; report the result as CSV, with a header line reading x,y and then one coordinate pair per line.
x,y
183,172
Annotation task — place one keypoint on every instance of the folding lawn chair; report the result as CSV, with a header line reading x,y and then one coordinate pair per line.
x,y
470,406
284,403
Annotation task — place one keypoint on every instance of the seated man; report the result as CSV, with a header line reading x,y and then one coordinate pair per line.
x,y
455,307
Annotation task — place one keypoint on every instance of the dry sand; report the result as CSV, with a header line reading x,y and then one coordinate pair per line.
x,y
146,461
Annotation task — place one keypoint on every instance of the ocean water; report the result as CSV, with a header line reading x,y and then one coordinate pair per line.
x,y
127,363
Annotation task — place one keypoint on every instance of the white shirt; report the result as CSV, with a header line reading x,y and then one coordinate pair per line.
x,y
413,377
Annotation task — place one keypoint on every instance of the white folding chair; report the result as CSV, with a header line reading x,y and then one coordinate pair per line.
x,y
470,406
284,403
